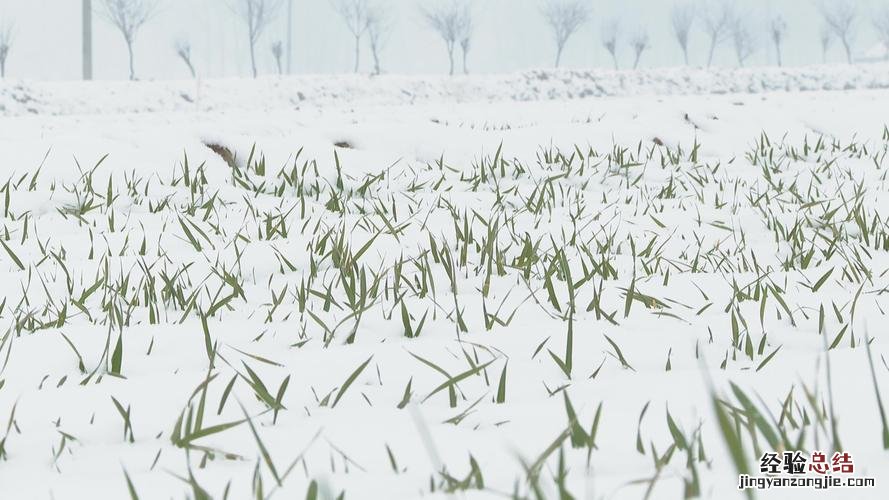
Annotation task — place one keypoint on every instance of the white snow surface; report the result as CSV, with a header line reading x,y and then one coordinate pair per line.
x,y
62,98
786,159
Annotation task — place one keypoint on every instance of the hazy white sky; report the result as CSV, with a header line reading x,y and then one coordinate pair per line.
x,y
510,35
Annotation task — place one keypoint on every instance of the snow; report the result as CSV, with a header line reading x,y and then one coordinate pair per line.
x,y
66,98
427,139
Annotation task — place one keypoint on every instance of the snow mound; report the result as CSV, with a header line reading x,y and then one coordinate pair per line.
x,y
71,98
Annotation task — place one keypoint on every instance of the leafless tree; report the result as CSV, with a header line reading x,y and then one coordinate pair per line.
x,y
278,54
451,20
564,18
466,44
610,35
717,21
881,23
6,33
826,38
682,17
640,43
841,16
743,39
356,15
128,16
777,33
256,15
378,28
183,50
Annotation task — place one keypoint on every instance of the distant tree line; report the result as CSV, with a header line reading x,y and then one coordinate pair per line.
x,y
718,22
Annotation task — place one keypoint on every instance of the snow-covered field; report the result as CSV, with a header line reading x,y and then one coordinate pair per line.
x,y
487,291
64,98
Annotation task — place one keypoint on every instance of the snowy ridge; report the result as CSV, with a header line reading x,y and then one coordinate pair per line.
x,y
70,98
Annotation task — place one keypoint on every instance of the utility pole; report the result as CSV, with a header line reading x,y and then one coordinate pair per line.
x,y
289,36
87,40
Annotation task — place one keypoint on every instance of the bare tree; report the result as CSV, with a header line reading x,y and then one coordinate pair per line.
x,y
256,15
378,28
682,17
278,54
840,16
451,20
610,35
6,33
128,16
826,39
564,18
356,14
87,38
881,23
640,43
466,43
777,33
183,50
717,24
743,40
